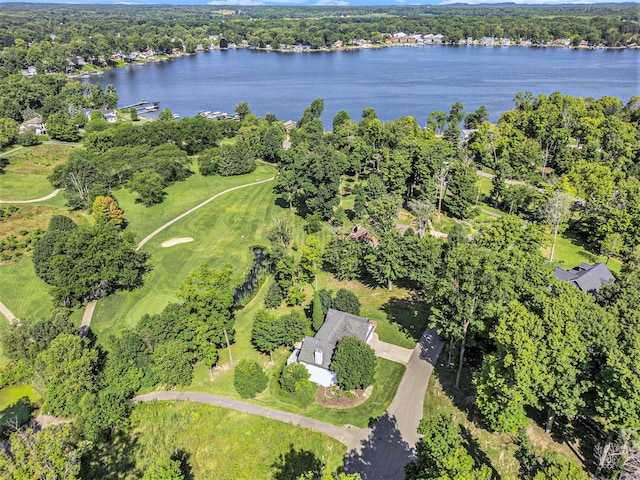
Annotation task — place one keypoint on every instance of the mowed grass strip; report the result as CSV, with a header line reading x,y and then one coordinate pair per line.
x,y
224,231
25,177
225,444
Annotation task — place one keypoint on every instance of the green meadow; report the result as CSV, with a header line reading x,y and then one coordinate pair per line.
x,y
225,444
26,175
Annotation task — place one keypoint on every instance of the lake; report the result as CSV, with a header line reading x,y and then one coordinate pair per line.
x,y
395,81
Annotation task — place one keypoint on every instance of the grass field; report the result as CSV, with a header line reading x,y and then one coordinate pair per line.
x,y
23,292
181,196
16,403
26,175
223,231
224,444
571,251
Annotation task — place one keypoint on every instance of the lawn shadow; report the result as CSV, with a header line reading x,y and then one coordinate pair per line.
x,y
410,313
296,463
112,460
383,454
582,436
184,457
477,453
15,415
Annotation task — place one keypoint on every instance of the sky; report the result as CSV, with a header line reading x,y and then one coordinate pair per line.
x,y
326,2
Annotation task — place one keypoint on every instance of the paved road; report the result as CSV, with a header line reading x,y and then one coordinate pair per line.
x,y
35,200
383,450
344,434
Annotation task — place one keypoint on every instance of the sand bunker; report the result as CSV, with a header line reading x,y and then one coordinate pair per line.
x,y
176,241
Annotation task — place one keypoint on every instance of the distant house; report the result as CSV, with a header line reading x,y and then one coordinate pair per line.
x,y
316,352
361,234
35,125
588,278
30,71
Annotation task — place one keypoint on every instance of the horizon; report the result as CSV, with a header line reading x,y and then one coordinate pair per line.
x,y
331,3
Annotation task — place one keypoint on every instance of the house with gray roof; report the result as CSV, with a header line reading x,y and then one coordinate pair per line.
x,y
316,352
588,278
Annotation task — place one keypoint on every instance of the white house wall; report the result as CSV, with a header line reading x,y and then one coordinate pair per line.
x,y
321,376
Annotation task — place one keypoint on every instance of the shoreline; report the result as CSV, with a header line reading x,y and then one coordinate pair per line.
x,y
350,48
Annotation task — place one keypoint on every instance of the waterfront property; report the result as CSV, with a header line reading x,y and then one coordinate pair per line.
x,y
316,352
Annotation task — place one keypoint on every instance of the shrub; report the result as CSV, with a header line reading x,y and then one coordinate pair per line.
x,y
313,223
296,386
346,301
249,379
354,363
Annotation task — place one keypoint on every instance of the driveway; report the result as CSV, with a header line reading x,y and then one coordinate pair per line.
x,y
389,351
382,451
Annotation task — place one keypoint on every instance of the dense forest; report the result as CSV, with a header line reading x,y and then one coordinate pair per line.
x,y
50,37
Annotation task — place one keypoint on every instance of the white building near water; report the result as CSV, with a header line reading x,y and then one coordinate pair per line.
x,y
316,352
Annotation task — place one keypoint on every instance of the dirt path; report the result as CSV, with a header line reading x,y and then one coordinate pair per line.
x,y
35,200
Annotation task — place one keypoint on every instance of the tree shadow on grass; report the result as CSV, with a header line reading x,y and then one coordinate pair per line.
x,y
382,455
410,314
184,458
295,463
15,415
477,453
112,460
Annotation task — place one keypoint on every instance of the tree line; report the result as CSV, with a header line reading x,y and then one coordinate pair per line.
x,y
47,37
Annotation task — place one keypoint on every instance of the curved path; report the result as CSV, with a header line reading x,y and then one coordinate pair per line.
x,y
35,200
345,434
88,312
380,451
181,216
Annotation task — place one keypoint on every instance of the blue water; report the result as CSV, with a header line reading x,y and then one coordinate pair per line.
x,y
395,81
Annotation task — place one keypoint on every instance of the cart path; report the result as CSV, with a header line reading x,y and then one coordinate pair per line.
x,y
88,312
13,320
181,216
35,200
344,434
378,452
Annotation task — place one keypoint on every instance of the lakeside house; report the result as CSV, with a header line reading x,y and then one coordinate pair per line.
x,y
588,278
316,352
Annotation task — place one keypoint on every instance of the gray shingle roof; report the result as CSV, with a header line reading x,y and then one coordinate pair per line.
x,y
587,278
336,325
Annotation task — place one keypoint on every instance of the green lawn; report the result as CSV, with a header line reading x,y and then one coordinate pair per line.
x,y
570,251
26,175
16,403
223,231
181,196
23,292
224,444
